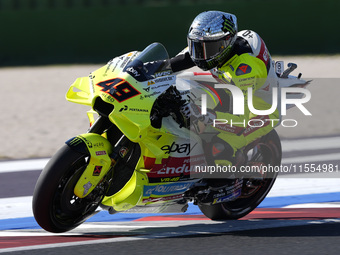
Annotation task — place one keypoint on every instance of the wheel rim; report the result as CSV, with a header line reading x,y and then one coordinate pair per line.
x,y
68,209
261,154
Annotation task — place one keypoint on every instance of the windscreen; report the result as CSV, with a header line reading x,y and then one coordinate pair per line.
x,y
151,63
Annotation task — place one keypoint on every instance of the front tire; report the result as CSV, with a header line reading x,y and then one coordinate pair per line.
x,y
55,207
267,151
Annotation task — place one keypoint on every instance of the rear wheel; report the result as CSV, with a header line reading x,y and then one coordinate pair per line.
x,y
266,152
55,207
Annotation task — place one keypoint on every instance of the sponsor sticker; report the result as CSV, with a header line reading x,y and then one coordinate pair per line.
x,y
164,189
185,148
158,199
123,151
87,187
99,153
97,170
243,69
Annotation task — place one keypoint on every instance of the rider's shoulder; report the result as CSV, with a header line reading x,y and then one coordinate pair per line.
x,y
253,39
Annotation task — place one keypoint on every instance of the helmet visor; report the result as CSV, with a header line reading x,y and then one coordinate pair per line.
x,y
205,50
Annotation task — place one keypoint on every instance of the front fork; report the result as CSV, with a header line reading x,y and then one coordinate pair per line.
x,y
102,155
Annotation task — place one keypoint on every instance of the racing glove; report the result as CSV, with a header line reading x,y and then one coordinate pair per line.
x,y
198,122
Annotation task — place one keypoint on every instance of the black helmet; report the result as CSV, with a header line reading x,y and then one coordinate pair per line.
x,y
211,37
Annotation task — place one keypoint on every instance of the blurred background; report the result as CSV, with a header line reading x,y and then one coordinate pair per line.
x,y
46,44
39,32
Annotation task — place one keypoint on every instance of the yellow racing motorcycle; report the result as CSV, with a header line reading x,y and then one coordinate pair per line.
x,y
139,154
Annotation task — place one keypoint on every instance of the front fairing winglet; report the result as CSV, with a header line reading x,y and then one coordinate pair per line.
x,y
79,92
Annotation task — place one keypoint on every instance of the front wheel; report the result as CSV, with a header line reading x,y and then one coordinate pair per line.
x,y
266,152
55,207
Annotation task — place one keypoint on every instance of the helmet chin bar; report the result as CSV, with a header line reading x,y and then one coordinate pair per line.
x,y
216,61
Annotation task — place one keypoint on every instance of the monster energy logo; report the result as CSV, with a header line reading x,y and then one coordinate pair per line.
x,y
75,141
228,25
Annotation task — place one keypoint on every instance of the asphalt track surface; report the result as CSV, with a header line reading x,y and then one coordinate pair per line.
x,y
301,216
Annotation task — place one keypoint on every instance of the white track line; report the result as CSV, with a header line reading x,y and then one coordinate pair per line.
x,y
311,144
314,158
287,146
22,165
20,207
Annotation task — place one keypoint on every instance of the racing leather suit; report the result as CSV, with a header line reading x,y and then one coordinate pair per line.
x,y
250,65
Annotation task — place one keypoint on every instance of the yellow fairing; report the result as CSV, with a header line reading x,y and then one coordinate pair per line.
x,y
79,92
130,195
99,164
132,116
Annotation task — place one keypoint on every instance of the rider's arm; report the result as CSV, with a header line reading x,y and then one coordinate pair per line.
x,y
181,62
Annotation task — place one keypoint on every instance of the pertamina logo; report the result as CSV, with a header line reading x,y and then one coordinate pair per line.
x,y
126,108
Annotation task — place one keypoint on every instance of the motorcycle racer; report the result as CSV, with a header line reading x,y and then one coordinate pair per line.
x,y
238,58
